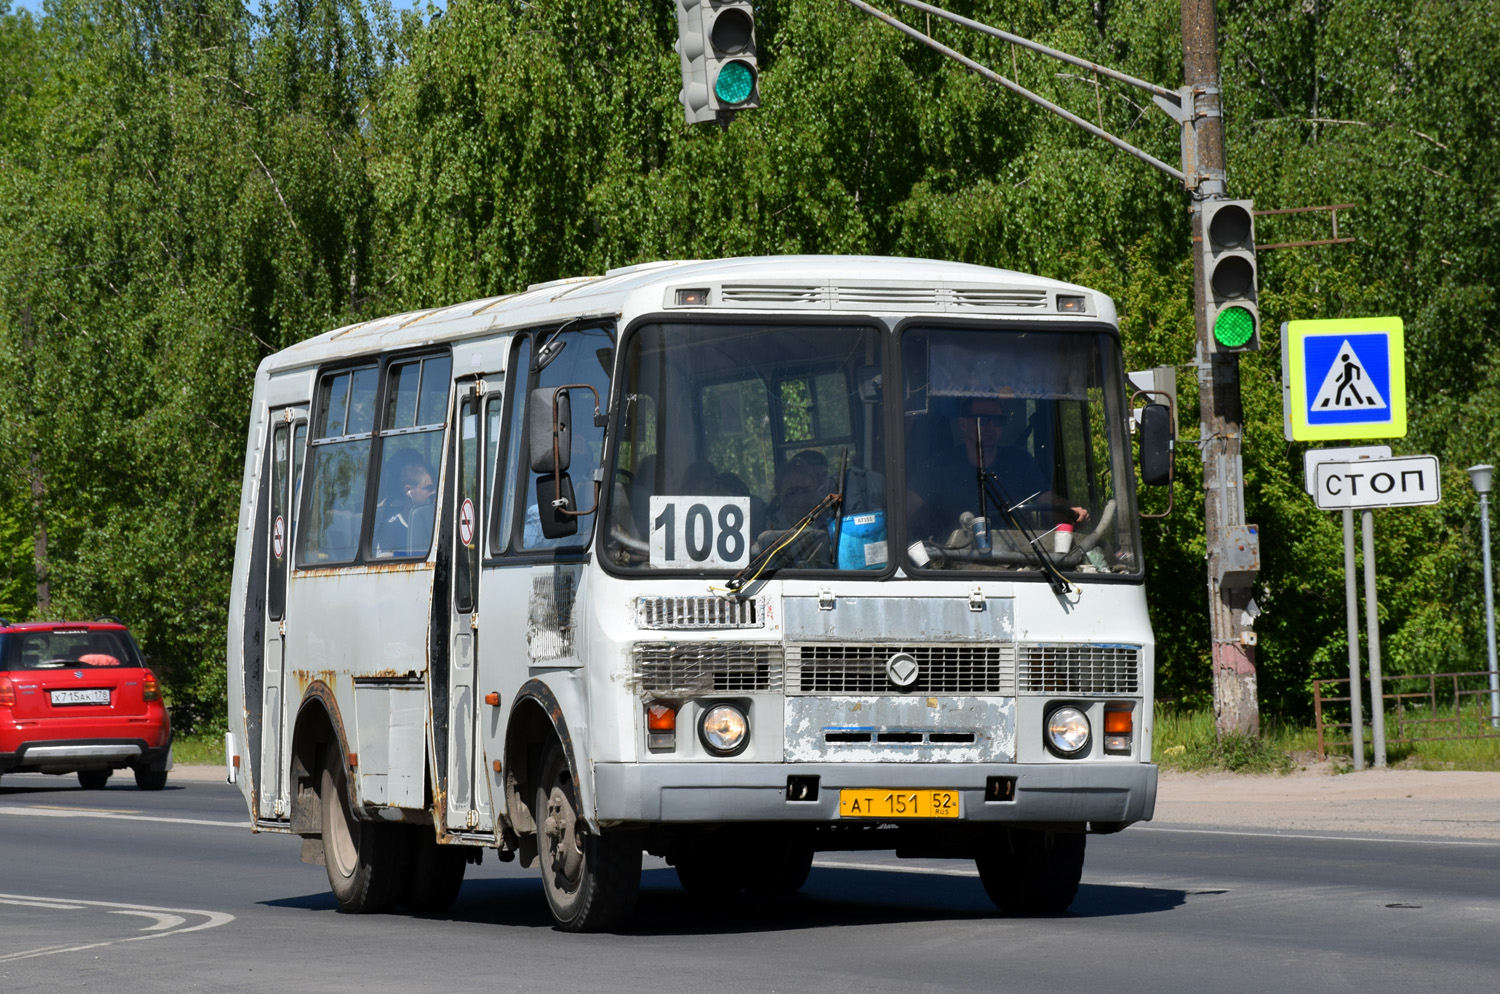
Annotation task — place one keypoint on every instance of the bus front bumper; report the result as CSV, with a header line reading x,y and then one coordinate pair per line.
x,y
1104,795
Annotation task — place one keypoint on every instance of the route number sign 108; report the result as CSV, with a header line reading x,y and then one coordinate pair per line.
x,y
700,532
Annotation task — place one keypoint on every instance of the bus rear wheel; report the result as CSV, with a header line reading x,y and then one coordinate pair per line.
x,y
591,880
367,861
436,874
1032,872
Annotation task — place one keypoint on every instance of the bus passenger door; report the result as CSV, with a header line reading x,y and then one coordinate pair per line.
x,y
288,438
465,811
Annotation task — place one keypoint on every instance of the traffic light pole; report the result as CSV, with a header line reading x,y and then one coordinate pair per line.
x,y
1236,703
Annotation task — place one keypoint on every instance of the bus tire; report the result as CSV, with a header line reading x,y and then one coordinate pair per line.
x,y
703,872
366,860
591,880
435,876
781,870
1035,873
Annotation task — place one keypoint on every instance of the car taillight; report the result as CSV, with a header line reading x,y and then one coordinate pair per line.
x,y
7,692
150,689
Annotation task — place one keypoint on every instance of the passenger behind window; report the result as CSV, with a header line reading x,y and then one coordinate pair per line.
x,y
409,508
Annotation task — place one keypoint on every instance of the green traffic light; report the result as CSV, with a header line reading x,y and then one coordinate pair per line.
x,y
735,83
1234,327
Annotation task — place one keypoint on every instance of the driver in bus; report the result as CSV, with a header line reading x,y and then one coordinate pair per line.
x,y
1002,424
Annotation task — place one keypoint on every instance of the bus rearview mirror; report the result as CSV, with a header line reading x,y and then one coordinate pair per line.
x,y
1156,445
554,495
551,430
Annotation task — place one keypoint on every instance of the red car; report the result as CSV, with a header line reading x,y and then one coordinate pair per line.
x,y
76,697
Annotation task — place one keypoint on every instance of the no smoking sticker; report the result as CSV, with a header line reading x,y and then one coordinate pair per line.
x,y
466,522
278,537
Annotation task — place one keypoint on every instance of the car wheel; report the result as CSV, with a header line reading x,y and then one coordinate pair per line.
x,y
591,881
436,874
93,779
1033,872
147,779
366,860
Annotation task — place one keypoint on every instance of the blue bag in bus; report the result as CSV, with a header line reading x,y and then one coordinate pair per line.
x,y
862,543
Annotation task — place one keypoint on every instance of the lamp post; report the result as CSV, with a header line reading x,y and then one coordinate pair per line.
x,y
1482,476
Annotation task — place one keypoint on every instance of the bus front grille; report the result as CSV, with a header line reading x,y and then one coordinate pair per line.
x,y
708,667
941,669
687,613
1080,669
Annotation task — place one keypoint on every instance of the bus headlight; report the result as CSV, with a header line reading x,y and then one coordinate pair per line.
x,y
1067,732
724,729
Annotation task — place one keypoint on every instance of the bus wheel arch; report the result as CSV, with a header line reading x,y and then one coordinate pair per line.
x,y
536,723
318,726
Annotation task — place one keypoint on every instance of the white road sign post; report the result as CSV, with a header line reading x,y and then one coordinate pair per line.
x,y
1310,461
1367,483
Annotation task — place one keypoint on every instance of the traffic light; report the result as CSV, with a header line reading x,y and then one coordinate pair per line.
x,y
1228,248
716,41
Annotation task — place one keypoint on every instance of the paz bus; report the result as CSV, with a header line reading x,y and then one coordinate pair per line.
x,y
727,562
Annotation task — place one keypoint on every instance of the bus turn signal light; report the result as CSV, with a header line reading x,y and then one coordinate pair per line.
x,y
1119,727
661,727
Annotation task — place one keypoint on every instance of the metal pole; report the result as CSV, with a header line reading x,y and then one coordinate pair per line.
x,y
1220,414
1489,609
1372,633
1351,616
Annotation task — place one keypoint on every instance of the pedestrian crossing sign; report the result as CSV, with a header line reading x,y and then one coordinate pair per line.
x,y
1343,379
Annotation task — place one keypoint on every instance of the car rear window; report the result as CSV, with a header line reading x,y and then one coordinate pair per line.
x,y
60,648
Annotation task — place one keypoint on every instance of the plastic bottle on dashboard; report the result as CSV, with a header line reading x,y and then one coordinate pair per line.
x,y
979,528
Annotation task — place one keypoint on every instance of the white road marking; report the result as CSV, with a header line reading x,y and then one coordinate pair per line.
x,y
38,812
46,904
167,920
163,920
834,864
1321,838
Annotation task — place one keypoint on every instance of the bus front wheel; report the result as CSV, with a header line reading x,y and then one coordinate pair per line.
x,y
591,880
366,860
1031,872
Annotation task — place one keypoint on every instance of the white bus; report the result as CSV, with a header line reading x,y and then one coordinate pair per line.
x,y
727,562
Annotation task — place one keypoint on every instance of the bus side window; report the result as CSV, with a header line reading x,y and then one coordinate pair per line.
x,y
582,360
339,463
507,474
494,413
411,433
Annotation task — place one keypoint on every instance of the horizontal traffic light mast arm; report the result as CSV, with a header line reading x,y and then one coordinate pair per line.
x,y
1017,88
1035,46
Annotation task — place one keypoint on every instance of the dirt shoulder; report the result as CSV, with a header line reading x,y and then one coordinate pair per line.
x,y
1455,805
1385,802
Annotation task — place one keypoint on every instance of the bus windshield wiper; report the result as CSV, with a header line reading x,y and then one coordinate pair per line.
x,y
760,565
989,484
989,481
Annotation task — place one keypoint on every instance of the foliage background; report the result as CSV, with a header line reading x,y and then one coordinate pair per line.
x,y
189,185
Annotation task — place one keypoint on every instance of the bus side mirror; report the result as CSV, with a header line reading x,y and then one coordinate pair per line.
x,y
555,506
1156,445
550,431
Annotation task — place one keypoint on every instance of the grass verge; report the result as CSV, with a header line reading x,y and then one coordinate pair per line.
x,y
1186,740
198,750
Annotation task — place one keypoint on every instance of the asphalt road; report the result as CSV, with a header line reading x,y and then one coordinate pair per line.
x,y
127,891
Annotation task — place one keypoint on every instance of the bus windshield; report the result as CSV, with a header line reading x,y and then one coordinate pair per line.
x,y
748,449
1016,452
